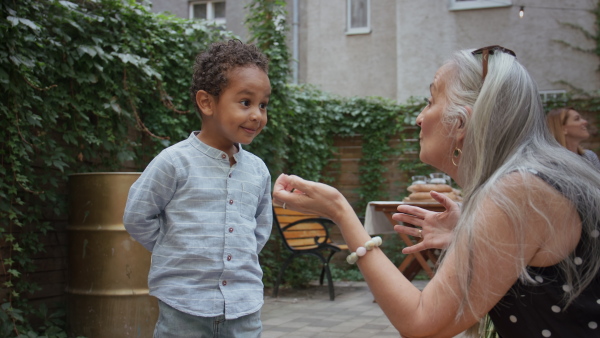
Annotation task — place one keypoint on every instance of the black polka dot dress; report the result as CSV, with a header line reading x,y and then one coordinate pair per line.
x,y
537,309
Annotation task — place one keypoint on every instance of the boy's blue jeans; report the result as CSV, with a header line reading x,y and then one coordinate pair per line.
x,y
174,324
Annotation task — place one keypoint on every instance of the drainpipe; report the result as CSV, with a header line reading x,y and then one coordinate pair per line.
x,y
295,43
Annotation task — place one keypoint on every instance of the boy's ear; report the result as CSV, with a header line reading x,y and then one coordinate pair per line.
x,y
205,102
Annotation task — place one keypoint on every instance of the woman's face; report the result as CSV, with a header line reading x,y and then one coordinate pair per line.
x,y
575,128
436,144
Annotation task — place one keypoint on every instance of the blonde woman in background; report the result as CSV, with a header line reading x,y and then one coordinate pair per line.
x,y
570,129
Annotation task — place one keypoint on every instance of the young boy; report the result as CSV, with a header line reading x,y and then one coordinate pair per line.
x,y
203,205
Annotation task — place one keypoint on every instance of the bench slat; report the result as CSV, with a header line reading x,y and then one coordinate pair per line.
x,y
303,234
305,226
291,219
302,242
284,212
300,239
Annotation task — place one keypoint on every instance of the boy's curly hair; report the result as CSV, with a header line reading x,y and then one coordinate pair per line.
x,y
211,66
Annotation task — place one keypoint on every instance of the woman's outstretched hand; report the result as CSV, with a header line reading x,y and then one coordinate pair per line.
x,y
309,197
436,227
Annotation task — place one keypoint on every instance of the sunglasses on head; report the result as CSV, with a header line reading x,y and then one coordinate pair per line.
x,y
485,51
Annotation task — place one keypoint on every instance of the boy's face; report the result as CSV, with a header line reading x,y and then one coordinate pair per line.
x,y
240,113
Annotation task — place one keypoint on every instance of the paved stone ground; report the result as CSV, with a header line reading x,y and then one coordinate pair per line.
x,y
310,313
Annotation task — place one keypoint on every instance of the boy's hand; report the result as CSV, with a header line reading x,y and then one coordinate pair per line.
x,y
307,196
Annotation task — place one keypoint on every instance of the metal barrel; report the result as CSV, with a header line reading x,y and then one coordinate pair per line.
x,y
107,283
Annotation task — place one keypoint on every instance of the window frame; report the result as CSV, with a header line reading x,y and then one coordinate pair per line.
x,y
210,10
554,95
357,30
458,5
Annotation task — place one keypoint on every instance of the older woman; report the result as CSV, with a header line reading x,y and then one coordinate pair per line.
x,y
570,129
524,248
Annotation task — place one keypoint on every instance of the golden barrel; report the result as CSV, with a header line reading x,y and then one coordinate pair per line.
x,y
107,284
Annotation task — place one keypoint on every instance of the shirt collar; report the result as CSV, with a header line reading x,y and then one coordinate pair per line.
x,y
210,151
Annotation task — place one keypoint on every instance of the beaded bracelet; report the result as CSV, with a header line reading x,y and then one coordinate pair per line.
x,y
361,251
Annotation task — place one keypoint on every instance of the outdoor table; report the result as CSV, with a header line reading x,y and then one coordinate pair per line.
x,y
378,220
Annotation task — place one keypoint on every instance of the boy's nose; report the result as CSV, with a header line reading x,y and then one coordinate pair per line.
x,y
252,117
254,114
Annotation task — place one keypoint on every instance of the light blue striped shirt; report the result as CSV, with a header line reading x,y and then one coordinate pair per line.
x,y
205,223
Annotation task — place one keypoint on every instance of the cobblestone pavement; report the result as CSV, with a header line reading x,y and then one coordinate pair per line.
x,y
310,313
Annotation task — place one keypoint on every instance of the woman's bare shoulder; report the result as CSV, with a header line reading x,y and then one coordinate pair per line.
x,y
546,212
530,185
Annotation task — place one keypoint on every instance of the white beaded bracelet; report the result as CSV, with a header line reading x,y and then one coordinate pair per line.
x,y
361,251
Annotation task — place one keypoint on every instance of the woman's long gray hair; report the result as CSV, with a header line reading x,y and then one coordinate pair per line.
x,y
507,133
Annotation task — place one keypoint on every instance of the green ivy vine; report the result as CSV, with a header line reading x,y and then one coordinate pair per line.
x,y
84,85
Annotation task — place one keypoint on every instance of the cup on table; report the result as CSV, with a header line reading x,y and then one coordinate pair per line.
x,y
438,178
419,179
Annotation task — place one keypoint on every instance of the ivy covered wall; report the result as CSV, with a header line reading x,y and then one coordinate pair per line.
x,y
86,86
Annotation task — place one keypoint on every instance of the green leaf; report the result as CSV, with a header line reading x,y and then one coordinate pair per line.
x,y
76,25
151,72
91,51
19,60
69,4
13,21
133,59
60,165
4,76
115,105
29,24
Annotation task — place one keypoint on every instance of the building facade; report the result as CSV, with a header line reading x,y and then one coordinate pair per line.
x,y
392,48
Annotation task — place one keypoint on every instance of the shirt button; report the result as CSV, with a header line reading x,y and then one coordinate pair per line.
x,y
230,229
224,283
230,201
228,257
229,175
223,156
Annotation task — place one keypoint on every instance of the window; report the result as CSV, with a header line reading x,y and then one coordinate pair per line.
x,y
208,10
458,5
553,95
359,17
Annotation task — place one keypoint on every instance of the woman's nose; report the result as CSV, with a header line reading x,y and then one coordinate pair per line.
x,y
419,119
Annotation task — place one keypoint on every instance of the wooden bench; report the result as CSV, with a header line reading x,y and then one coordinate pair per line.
x,y
305,234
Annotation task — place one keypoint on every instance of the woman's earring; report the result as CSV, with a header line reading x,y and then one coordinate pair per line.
x,y
456,154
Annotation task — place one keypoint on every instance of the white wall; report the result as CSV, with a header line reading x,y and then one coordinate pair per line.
x,y
234,12
428,32
410,39
362,65
177,7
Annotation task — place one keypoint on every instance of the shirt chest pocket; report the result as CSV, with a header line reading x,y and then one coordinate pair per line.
x,y
249,201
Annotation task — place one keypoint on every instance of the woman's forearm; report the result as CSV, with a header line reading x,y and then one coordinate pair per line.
x,y
396,295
